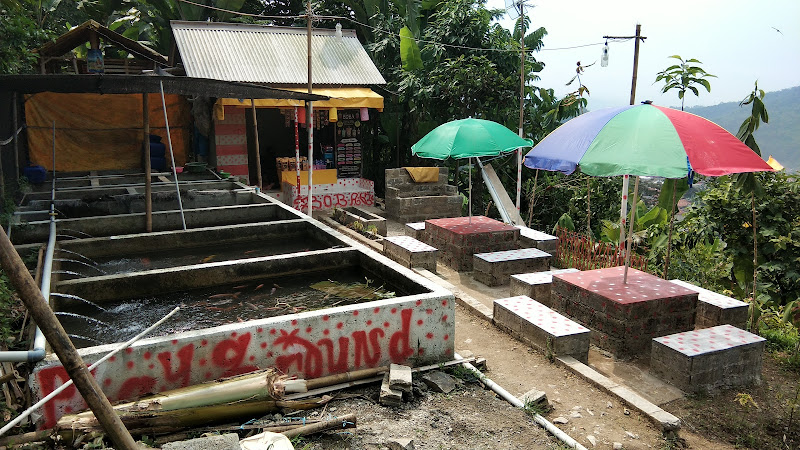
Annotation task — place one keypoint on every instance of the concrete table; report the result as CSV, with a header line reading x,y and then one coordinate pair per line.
x,y
625,317
459,238
708,359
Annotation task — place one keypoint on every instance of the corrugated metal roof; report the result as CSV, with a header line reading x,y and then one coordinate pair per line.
x,y
276,55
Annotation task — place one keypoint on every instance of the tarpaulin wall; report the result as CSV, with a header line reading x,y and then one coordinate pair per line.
x,y
101,132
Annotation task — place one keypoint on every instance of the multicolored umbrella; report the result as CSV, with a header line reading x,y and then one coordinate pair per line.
x,y
468,138
644,140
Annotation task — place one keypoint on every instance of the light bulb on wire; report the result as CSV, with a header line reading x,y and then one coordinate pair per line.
x,y
604,57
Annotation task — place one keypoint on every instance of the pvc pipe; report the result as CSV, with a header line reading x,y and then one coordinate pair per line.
x,y
172,155
544,423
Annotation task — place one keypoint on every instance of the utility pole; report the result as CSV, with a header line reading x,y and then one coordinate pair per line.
x,y
521,95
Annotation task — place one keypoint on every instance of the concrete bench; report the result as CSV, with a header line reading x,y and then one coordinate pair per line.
x,y
537,325
537,286
530,238
495,268
716,309
410,252
415,230
708,359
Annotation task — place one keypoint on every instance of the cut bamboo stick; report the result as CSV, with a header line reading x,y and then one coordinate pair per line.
x,y
346,421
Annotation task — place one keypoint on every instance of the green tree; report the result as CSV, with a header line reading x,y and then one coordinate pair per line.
x,y
684,77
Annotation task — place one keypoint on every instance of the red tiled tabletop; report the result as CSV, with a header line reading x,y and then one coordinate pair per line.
x,y
463,225
608,283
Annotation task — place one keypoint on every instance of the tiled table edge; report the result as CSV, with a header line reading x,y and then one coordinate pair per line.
x,y
666,421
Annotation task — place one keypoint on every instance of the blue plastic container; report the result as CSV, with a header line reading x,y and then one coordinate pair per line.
x,y
35,174
157,163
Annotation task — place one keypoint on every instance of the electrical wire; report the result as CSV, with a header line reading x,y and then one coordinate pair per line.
x,y
390,33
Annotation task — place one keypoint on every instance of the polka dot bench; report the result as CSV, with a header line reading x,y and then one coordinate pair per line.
x,y
530,238
495,268
708,359
716,309
416,230
537,325
410,252
537,285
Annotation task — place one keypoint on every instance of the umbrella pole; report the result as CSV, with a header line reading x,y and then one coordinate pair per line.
x,y
623,212
630,230
469,161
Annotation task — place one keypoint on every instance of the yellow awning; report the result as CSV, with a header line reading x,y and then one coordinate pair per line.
x,y
343,98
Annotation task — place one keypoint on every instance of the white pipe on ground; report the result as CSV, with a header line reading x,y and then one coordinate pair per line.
x,y
544,423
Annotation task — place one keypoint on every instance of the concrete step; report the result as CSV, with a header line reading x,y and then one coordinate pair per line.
x,y
541,327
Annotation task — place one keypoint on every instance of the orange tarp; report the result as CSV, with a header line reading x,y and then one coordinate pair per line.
x,y
101,132
423,174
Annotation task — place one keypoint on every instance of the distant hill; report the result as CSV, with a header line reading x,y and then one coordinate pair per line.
x,y
779,138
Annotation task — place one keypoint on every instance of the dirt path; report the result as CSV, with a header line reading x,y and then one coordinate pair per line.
x,y
519,368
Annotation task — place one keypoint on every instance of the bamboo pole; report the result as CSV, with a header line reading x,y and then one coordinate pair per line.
x,y
148,184
32,297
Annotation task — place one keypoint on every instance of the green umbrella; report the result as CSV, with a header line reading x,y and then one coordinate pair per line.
x,y
468,138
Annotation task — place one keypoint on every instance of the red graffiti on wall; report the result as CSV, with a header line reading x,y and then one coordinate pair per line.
x,y
337,200
308,357
136,387
230,354
192,362
184,371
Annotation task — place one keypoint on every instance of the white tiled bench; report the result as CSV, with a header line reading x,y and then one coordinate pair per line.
x,y
528,237
494,269
415,230
410,252
537,325
536,285
708,359
716,309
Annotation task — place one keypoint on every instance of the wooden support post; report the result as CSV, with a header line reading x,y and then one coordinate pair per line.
x,y
148,185
36,304
259,181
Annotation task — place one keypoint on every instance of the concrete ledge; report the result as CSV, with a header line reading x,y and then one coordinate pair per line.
x,y
474,306
661,418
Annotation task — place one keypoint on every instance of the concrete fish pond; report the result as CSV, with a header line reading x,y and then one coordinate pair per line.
x,y
309,313
141,252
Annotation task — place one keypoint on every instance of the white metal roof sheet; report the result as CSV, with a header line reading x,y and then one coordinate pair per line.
x,y
276,55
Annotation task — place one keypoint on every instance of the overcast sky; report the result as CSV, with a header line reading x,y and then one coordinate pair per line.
x,y
736,40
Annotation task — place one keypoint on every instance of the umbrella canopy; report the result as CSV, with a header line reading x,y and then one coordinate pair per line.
x,y
468,138
645,140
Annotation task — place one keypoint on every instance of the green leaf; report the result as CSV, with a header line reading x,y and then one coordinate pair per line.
x,y
665,196
409,51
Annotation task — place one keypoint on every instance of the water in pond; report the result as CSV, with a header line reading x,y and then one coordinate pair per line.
x,y
89,260
80,299
83,318
209,307
80,263
210,253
